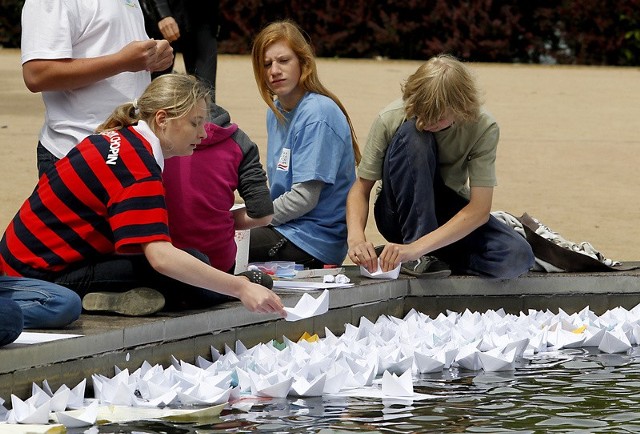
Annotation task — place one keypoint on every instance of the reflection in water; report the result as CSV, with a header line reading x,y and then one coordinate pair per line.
x,y
568,391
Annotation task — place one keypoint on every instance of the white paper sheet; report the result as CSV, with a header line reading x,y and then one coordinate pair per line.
x,y
308,286
38,338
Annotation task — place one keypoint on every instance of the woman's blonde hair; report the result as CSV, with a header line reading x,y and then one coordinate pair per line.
x,y
442,86
290,33
176,94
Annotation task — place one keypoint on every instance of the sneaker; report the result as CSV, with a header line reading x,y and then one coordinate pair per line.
x,y
426,267
258,277
379,249
135,302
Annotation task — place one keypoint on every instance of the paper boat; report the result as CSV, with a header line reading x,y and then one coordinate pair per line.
x,y
79,418
495,360
427,363
303,388
28,413
395,386
614,343
594,336
379,274
272,386
468,358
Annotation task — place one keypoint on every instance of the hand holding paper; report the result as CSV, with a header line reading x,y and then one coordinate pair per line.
x,y
379,274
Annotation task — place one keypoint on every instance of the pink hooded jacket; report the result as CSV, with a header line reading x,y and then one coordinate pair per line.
x,y
200,190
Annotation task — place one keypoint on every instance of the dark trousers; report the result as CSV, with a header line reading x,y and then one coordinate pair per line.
x,y
119,273
45,159
414,201
199,48
267,244
10,321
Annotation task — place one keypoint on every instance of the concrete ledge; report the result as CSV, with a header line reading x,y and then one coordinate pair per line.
x,y
127,342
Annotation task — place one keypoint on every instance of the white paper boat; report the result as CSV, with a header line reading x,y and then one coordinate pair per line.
x,y
272,386
304,388
204,396
308,306
379,274
447,356
593,337
395,366
519,345
495,360
614,343
394,386
426,364
561,338
79,418
113,391
203,363
335,380
26,412
468,358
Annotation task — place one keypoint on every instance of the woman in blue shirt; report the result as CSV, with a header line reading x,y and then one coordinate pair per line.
x,y
311,153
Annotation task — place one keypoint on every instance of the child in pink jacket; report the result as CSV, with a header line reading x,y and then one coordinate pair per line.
x,y
200,191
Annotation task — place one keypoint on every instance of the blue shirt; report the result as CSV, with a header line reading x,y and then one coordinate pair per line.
x,y
313,144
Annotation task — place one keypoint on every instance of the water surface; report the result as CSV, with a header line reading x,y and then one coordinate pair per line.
x,y
577,390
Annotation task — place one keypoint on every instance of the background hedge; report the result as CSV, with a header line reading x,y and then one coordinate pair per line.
x,y
589,32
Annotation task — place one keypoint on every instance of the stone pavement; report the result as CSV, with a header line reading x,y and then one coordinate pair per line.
x,y
568,151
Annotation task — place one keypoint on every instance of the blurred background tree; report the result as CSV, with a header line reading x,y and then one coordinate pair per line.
x,y
586,32
10,23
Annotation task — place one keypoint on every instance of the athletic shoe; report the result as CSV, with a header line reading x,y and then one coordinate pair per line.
x,y
258,277
426,267
135,302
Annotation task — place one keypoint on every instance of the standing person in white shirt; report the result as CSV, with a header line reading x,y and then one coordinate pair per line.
x,y
86,57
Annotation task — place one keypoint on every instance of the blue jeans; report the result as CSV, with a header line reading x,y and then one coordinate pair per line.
x,y
10,321
414,201
119,273
43,304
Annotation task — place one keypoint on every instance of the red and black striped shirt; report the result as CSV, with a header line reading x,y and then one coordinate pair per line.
x,y
106,196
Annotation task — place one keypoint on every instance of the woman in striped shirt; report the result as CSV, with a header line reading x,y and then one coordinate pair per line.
x,y
98,221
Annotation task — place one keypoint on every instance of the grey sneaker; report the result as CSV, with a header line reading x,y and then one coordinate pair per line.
x,y
426,267
135,302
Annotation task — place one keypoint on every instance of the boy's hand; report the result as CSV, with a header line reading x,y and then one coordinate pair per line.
x,y
394,254
363,253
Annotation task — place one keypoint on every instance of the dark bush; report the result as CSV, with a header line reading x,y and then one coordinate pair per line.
x,y
10,22
567,31
597,32
590,32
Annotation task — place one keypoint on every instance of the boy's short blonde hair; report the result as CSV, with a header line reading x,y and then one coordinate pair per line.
x,y
443,86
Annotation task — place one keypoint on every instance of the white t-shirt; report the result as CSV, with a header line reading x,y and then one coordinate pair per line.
x,y
66,29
